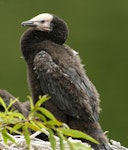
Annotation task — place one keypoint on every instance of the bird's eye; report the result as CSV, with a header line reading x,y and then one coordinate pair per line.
x,y
42,21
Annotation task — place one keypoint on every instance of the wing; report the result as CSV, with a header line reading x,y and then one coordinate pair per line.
x,y
70,92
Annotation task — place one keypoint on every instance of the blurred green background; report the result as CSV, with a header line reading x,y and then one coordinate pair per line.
x,y
98,31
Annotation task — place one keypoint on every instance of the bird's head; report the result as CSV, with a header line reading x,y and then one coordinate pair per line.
x,y
41,22
50,25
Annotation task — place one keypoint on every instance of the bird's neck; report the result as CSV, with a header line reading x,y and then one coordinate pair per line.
x,y
31,38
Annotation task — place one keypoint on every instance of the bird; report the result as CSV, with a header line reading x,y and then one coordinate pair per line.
x,y
55,69
22,107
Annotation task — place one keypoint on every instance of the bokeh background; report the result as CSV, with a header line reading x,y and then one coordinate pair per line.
x,y
98,31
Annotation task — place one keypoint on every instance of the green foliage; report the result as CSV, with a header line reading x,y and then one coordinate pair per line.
x,y
76,134
39,119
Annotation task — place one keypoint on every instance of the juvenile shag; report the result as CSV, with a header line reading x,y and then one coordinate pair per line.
x,y
55,69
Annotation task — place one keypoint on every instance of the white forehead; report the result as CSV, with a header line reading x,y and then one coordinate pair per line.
x,y
44,16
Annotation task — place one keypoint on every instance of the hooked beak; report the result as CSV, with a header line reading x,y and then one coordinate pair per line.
x,y
29,23
37,25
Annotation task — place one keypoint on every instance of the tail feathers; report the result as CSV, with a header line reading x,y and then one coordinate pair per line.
x,y
97,133
103,146
101,138
94,130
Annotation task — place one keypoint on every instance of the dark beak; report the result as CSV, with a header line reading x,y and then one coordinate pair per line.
x,y
29,23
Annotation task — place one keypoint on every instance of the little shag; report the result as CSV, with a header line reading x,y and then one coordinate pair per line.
x,y
55,69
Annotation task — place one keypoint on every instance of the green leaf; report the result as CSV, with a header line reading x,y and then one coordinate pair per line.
x,y
53,123
77,134
16,128
41,116
33,125
26,135
52,139
61,140
40,125
11,103
6,136
31,103
16,115
48,114
41,100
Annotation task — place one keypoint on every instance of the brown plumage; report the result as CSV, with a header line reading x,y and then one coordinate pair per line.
x,y
55,69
